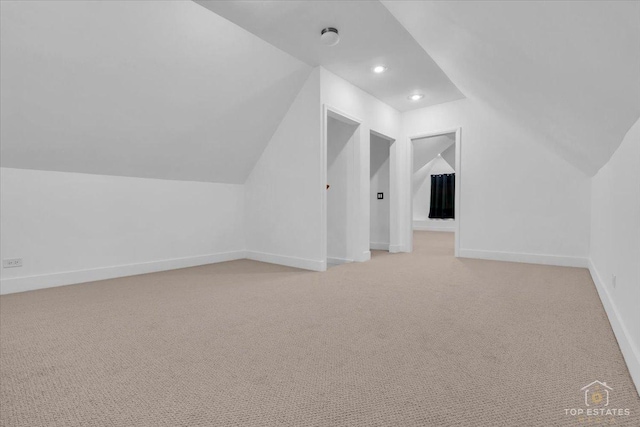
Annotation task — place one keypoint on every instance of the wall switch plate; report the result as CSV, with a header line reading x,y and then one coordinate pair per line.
x,y
380,196
12,262
613,281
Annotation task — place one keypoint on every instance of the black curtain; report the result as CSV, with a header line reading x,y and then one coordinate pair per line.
x,y
443,189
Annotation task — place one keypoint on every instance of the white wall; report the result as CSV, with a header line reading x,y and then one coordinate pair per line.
x,y
519,201
422,197
340,145
380,210
286,197
615,244
374,115
108,226
71,227
285,189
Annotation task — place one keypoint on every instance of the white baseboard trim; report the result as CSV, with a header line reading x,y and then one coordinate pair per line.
x,y
394,249
431,228
289,261
630,352
30,283
564,261
366,256
379,246
338,261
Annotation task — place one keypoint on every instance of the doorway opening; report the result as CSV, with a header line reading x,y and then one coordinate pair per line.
x,y
380,196
435,184
342,135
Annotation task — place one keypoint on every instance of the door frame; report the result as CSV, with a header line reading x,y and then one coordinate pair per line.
x,y
393,195
457,209
354,169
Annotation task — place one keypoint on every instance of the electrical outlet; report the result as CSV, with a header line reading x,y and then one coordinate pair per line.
x,y
613,281
12,262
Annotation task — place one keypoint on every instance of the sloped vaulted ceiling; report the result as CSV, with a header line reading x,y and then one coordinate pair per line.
x,y
168,90
369,36
567,71
158,89
427,149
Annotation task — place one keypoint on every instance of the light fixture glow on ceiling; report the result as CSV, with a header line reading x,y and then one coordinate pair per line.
x,y
329,36
379,69
416,97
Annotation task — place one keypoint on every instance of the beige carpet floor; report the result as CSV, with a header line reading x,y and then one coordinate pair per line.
x,y
421,339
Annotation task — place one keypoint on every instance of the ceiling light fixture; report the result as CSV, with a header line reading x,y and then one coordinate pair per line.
x,y
329,36
416,97
379,69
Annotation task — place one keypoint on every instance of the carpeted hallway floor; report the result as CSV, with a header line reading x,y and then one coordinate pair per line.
x,y
421,339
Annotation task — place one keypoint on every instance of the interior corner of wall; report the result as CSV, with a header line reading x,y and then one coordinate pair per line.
x,y
312,75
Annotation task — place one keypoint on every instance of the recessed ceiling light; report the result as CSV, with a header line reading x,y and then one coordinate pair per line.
x,y
379,69
330,36
416,97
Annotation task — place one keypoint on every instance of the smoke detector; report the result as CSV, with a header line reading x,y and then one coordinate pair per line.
x,y
329,36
